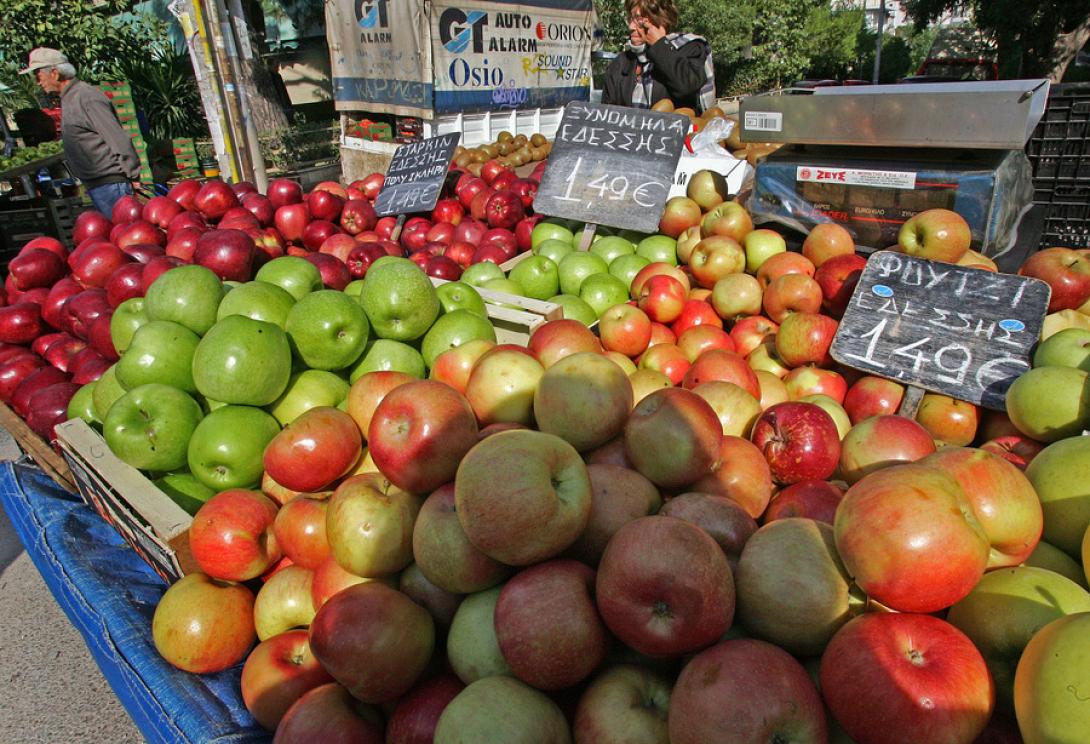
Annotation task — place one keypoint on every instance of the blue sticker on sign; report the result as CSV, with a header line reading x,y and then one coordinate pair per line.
x,y
882,290
1012,325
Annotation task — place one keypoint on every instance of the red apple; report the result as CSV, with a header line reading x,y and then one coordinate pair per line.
x,y
1066,271
936,234
328,713
880,441
315,449
872,396
278,672
679,214
202,625
291,220
90,224
837,278
231,536
214,199
324,205
672,437
799,440
827,240
810,499
805,338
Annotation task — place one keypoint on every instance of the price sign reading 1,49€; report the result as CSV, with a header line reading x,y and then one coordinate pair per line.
x,y
612,165
415,176
966,333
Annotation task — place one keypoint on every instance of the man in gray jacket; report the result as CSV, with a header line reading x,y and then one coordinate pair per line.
x,y
99,152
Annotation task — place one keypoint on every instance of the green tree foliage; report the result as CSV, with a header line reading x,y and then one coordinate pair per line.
x,y
1035,38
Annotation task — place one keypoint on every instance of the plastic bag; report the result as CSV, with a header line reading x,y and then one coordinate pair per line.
x,y
706,141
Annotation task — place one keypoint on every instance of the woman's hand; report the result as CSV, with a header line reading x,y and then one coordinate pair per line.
x,y
651,32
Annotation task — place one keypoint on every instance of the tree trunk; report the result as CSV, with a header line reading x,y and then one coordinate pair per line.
x,y
1066,47
264,96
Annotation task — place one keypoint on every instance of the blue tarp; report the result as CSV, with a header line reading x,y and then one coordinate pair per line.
x,y
109,594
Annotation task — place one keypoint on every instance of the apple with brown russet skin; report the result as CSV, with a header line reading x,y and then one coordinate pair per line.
x,y
232,535
278,672
444,553
625,704
675,599
202,625
1066,271
328,713
1002,498
910,539
799,440
729,524
620,495
374,640
672,437
745,690
522,496
906,679
881,441
872,396
547,626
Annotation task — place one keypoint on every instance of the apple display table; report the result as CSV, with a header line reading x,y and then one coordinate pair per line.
x,y
110,594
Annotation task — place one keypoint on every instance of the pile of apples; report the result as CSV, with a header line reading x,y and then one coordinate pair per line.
x,y
692,526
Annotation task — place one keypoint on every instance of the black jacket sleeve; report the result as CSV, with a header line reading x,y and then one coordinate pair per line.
x,y
681,71
616,76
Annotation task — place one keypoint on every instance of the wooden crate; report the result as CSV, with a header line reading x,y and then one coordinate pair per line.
x,y
515,317
39,450
148,519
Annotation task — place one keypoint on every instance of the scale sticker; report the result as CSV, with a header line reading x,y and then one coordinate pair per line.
x,y
764,121
856,177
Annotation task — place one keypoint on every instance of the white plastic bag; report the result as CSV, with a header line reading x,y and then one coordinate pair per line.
x,y
706,141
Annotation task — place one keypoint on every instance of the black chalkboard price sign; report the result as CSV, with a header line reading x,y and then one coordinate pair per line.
x,y
612,165
415,176
966,333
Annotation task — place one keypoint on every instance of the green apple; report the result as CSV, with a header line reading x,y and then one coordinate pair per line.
x,y
185,490
760,245
554,249
399,299
187,295
452,330
127,317
577,266
460,296
1050,686
1058,474
259,301
1052,558
611,247
353,288
603,291
835,410
327,330
225,450
82,405
537,276
161,351
472,648
294,274
498,709
242,361
383,354
507,287
551,229
576,308
1068,348
1005,609
107,391
625,268
658,249
150,426
477,274
309,388
1050,403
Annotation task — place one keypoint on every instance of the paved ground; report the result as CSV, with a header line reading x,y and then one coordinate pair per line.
x,y
51,689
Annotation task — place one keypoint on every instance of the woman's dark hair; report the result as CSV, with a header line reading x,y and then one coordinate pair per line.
x,y
660,12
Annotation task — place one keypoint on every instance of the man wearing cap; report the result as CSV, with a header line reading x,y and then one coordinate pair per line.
x,y
99,152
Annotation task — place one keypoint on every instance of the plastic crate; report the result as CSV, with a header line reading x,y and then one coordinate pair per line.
x,y
1059,152
63,213
18,227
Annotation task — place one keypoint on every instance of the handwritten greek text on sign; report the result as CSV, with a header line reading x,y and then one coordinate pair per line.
x,y
612,165
966,333
416,175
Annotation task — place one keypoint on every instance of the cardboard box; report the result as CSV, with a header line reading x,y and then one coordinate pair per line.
x,y
155,526
732,169
873,191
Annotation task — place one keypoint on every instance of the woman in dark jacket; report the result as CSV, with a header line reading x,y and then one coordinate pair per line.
x,y
658,64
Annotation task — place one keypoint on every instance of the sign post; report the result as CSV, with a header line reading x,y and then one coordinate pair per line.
x,y
611,165
962,332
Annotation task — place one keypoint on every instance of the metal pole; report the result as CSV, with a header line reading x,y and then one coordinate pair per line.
x,y
878,43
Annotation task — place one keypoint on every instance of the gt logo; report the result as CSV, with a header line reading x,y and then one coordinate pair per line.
x,y
372,13
457,29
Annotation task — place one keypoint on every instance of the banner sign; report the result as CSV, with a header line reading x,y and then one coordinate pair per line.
x,y
380,56
498,55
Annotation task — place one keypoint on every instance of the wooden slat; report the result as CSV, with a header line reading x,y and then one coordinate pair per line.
x,y
39,450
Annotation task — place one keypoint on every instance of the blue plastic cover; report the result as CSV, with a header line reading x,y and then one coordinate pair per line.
x,y
109,594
